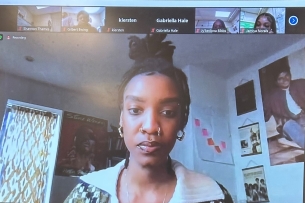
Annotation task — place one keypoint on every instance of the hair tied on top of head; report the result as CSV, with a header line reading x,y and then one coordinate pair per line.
x,y
151,46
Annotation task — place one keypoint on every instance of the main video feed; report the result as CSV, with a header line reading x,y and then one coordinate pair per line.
x,y
80,74
88,92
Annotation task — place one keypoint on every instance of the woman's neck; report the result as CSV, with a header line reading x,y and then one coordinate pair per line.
x,y
148,176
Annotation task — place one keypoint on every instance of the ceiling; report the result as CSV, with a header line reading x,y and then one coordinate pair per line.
x,y
90,10
95,63
255,11
209,14
49,9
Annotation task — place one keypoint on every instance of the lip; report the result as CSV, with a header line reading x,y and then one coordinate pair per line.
x,y
150,144
149,147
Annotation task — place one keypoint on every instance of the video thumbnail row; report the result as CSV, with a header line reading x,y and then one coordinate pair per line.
x,y
240,20
161,20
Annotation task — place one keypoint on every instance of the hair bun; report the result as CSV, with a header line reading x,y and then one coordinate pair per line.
x,y
151,46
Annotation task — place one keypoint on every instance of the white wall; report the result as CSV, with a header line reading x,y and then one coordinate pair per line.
x,y
284,182
207,90
28,17
25,90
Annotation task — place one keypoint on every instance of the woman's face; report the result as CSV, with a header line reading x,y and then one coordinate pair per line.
x,y
283,80
218,25
150,102
87,144
83,19
263,23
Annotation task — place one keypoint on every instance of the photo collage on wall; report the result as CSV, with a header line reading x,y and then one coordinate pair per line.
x,y
282,85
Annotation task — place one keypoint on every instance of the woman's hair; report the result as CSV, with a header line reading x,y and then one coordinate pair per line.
x,y
270,18
152,56
82,12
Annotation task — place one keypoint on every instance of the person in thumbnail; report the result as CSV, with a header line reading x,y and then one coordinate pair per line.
x,y
287,104
219,24
83,19
80,158
154,100
263,190
265,21
255,142
67,20
255,196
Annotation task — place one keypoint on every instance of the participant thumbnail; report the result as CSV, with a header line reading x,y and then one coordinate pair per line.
x,y
83,19
217,20
38,19
262,20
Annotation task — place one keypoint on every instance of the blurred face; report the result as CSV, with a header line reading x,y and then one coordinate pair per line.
x,y
263,23
87,144
283,80
83,19
218,25
150,101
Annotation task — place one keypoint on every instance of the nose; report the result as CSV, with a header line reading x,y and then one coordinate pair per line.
x,y
150,123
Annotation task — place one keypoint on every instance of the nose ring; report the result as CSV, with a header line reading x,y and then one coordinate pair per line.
x,y
142,131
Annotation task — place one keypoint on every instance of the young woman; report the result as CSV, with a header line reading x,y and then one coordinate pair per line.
x,y
154,101
265,21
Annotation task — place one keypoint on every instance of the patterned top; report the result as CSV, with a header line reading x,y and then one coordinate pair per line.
x,y
191,187
86,193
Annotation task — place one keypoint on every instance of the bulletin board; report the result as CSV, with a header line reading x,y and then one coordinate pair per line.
x,y
212,135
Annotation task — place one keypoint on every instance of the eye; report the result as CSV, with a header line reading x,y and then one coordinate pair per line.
x,y
134,111
169,113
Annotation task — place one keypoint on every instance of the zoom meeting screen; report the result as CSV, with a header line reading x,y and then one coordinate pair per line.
x,y
73,59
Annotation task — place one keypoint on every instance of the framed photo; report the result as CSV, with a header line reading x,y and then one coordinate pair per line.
x,y
83,145
250,142
255,184
245,98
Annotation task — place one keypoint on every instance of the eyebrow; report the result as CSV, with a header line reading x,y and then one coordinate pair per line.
x,y
162,101
169,100
134,98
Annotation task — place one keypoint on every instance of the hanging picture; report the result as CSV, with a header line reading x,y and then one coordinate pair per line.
x,y
245,98
255,184
250,142
283,96
83,145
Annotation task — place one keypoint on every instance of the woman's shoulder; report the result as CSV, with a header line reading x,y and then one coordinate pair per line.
x,y
199,187
85,192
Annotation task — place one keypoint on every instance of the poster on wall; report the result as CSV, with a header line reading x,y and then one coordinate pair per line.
x,y
255,184
283,94
250,141
245,98
83,145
